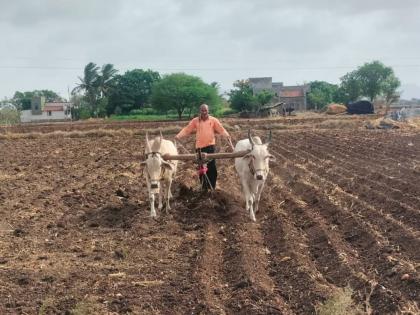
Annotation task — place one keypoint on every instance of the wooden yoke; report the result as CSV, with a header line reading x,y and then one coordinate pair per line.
x,y
206,156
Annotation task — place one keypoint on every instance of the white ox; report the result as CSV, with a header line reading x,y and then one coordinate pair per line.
x,y
253,169
158,172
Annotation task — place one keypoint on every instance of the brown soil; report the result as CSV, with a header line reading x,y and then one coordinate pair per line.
x,y
340,209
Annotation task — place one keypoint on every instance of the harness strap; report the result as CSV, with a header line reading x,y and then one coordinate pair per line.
x,y
251,167
253,170
147,154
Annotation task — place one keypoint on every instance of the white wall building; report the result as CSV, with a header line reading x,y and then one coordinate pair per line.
x,y
41,111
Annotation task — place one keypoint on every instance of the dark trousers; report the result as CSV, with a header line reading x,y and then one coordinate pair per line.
x,y
211,170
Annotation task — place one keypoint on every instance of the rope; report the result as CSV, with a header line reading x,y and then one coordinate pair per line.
x,y
182,146
208,182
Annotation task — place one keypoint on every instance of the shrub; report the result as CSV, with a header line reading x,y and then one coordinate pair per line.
x,y
340,303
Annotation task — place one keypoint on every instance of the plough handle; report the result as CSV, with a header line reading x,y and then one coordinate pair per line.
x,y
206,156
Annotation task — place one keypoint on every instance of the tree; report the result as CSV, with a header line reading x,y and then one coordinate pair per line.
x,y
9,116
372,76
321,94
370,80
22,100
389,88
89,84
242,97
96,85
182,92
350,88
263,98
131,90
108,73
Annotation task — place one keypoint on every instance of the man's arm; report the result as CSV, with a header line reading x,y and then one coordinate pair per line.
x,y
219,128
187,130
222,131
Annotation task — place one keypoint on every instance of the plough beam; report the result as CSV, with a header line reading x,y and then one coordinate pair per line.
x,y
205,156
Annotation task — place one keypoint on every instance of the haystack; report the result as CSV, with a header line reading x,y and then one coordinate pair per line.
x,y
386,123
336,109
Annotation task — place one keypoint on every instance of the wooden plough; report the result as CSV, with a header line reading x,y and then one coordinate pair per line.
x,y
201,156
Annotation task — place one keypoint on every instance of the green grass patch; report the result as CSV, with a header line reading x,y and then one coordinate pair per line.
x,y
340,303
143,117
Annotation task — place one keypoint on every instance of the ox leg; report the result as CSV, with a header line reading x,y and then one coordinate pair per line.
x,y
258,197
168,195
151,199
246,193
251,208
161,192
152,205
249,199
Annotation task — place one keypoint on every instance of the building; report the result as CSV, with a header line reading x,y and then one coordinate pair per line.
x,y
42,112
292,96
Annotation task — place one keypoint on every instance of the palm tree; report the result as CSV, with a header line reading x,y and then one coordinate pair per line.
x,y
107,74
89,83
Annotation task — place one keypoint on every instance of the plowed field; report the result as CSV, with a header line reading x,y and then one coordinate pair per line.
x,y
341,209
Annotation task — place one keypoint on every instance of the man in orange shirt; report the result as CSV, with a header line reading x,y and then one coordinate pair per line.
x,y
205,127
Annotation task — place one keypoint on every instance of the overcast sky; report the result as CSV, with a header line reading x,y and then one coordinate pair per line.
x,y
45,44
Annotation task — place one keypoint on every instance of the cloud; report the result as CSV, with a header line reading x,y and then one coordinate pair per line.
x,y
50,41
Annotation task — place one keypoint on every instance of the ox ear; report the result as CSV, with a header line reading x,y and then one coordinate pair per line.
x,y
271,158
143,163
167,165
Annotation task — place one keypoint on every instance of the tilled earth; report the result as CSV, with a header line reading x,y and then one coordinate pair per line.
x,y
341,209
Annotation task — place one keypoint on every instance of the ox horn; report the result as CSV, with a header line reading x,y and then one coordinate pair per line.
x,y
269,138
160,142
148,149
250,138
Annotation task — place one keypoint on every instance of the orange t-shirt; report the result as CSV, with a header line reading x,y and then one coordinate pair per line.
x,y
205,131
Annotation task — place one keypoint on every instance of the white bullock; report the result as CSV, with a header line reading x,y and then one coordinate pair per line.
x,y
253,169
158,172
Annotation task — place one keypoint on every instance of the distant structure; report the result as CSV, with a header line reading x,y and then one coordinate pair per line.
x,y
401,103
7,106
43,112
292,96
404,109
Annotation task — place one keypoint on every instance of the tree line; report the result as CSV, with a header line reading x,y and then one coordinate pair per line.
x,y
105,92
102,91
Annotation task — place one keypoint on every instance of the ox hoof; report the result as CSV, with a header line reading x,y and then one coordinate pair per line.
x,y
252,216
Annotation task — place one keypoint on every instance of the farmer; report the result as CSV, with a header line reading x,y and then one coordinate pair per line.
x,y
205,127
